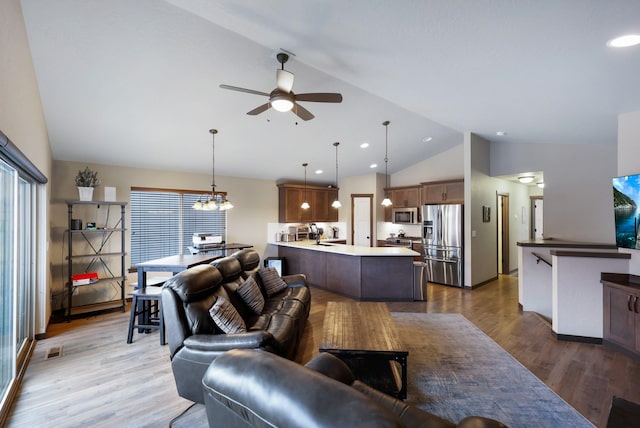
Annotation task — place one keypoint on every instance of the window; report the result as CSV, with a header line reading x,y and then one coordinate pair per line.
x,y
17,276
163,223
19,265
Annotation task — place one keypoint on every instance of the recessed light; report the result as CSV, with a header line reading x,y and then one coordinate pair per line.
x,y
501,133
373,165
364,145
319,171
526,179
624,41
427,139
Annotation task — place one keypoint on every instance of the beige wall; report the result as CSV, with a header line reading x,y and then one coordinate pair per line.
x,y
22,120
255,204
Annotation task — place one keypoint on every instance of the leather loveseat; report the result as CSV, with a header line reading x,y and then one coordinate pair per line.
x,y
195,338
247,388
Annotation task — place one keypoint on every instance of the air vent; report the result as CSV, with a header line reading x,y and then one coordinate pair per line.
x,y
53,352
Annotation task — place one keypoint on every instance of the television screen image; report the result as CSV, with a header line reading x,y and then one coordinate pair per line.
x,y
626,203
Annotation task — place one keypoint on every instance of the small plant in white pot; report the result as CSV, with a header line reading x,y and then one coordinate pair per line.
x,y
86,180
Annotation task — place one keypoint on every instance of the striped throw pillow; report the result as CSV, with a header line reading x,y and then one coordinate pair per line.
x,y
227,317
271,281
250,292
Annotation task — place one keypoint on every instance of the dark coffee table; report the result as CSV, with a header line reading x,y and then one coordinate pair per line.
x,y
365,337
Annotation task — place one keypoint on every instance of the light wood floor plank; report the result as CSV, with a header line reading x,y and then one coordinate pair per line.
x,y
102,381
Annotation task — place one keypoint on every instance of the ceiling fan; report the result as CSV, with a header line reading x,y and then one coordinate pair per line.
x,y
282,97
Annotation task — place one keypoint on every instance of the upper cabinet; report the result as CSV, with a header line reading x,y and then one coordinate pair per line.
x,y
449,192
403,197
291,196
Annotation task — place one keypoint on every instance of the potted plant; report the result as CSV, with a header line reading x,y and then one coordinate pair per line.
x,y
86,180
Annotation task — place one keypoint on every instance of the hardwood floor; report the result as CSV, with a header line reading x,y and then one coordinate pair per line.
x,y
101,381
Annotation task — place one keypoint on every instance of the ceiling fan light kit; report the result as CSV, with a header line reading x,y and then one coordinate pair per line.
x,y
282,98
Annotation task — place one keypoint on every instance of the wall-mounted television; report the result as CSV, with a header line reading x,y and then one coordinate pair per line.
x,y
626,206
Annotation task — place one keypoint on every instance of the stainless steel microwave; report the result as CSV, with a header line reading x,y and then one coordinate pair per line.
x,y
405,216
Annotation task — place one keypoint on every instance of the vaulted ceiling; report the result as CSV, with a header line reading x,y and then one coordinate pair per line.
x,y
136,83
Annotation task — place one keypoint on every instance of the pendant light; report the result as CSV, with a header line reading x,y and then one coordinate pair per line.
x,y
386,201
336,204
305,205
213,203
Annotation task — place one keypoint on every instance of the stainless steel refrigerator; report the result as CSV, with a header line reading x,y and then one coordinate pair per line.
x,y
443,243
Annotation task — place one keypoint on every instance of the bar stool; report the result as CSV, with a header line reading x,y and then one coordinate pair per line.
x,y
147,309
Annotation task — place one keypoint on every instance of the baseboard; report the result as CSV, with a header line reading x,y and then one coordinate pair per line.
x,y
581,339
483,283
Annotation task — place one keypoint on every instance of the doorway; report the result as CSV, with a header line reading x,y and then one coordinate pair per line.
x,y
361,219
536,218
503,233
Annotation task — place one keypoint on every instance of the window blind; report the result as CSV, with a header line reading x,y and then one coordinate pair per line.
x,y
163,223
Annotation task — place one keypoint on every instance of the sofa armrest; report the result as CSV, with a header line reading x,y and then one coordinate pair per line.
x,y
331,366
224,342
296,280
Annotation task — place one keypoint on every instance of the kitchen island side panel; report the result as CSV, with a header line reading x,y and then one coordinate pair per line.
x,y
311,263
387,278
343,275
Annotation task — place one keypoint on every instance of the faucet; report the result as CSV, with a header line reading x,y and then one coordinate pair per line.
x,y
314,230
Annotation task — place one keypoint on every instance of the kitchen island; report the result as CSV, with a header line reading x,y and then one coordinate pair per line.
x,y
363,273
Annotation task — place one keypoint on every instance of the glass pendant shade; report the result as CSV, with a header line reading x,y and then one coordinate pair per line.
x,y
336,204
305,205
386,202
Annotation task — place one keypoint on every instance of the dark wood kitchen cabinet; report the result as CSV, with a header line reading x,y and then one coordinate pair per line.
x,y
401,197
404,197
291,196
622,313
438,192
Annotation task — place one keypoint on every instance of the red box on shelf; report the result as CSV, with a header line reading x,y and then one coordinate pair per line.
x,y
84,278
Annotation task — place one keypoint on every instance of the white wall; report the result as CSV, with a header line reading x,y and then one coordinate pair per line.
x,y
628,155
447,165
481,250
22,120
577,193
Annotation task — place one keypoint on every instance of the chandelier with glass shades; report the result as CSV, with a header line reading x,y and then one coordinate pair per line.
x,y
217,201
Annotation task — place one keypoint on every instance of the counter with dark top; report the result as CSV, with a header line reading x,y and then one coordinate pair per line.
x,y
560,243
363,273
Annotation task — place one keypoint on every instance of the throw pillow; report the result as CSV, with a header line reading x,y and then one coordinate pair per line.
x,y
227,317
271,281
250,292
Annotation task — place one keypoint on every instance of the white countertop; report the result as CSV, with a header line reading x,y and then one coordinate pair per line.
x,y
349,250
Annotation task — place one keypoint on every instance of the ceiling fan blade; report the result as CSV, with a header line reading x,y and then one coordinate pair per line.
x,y
248,91
284,80
258,110
302,112
320,97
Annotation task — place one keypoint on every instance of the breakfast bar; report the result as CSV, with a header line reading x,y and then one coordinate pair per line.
x,y
363,273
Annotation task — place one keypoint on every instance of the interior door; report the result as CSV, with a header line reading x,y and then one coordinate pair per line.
x,y
536,218
361,221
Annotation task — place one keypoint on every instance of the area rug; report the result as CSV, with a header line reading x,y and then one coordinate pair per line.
x,y
455,370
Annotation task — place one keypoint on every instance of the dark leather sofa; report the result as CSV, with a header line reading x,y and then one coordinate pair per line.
x,y
194,338
248,388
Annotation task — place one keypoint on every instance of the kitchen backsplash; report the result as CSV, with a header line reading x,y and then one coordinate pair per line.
x,y
275,228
